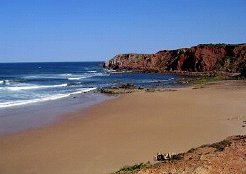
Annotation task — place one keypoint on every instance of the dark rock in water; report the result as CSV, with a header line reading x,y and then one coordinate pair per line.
x,y
127,86
209,58
122,89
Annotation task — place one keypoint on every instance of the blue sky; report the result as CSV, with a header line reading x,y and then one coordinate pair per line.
x,y
91,30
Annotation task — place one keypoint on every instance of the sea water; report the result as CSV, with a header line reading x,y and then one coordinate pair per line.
x,y
32,94
27,83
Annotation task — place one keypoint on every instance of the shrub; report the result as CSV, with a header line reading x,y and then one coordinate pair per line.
x,y
220,146
134,167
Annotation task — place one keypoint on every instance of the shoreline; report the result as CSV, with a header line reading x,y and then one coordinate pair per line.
x,y
38,115
189,74
126,130
45,113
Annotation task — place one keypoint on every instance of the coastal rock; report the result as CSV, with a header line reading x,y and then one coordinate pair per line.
x,y
230,58
122,89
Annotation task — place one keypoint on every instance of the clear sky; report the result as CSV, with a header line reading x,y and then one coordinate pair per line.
x,y
91,30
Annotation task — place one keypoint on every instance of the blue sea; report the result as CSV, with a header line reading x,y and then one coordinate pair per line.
x,y
29,83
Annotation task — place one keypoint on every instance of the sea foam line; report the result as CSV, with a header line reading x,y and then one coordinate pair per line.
x,y
50,98
18,88
86,75
74,78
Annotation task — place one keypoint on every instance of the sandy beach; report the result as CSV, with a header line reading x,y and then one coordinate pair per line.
x,y
127,130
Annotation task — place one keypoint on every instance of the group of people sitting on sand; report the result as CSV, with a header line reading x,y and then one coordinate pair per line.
x,y
162,157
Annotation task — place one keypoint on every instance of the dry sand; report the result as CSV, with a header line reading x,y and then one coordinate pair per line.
x,y
126,130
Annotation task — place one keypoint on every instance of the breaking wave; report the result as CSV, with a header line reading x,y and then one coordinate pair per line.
x,y
33,87
43,99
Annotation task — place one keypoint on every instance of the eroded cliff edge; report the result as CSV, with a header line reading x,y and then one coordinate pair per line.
x,y
228,58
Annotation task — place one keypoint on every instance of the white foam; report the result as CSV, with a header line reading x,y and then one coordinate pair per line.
x,y
67,74
74,78
50,98
5,82
32,87
86,75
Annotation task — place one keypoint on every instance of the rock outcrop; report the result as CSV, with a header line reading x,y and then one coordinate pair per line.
x,y
230,58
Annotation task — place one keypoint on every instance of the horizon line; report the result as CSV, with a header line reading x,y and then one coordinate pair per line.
x,y
56,62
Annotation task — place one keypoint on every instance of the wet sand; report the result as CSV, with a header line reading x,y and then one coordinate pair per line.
x,y
22,118
127,130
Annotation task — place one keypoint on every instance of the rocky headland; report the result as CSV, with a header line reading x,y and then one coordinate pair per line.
x,y
203,59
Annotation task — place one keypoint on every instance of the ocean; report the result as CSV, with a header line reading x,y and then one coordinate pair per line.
x,y
36,94
28,83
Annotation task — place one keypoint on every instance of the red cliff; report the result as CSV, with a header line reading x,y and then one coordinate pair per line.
x,y
201,58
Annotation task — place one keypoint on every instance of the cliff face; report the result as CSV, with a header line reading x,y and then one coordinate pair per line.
x,y
201,58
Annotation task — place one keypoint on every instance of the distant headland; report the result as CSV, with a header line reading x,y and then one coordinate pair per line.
x,y
200,59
